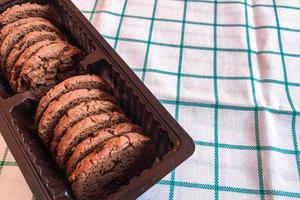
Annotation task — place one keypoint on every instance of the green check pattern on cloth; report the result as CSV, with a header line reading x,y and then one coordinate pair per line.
x,y
229,73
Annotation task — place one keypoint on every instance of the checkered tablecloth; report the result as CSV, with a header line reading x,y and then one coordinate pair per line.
x,y
229,73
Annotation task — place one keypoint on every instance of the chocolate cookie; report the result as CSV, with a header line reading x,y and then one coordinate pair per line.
x,y
41,90
8,29
26,55
78,113
74,83
58,108
22,11
19,32
46,64
83,129
103,171
11,27
91,144
29,40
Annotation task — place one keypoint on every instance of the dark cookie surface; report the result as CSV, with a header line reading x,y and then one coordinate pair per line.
x,y
8,29
26,55
29,40
76,114
91,144
43,67
12,38
115,163
23,11
83,129
11,27
74,83
58,108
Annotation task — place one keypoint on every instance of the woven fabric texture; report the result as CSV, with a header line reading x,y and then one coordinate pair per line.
x,y
229,73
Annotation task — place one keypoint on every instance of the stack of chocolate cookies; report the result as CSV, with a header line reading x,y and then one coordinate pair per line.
x,y
33,52
78,118
91,139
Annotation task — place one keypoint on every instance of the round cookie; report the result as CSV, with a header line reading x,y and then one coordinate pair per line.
x,y
83,129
